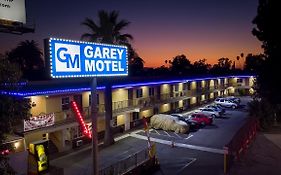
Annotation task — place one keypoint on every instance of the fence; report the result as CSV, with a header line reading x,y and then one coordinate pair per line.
x,y
239,143
127,164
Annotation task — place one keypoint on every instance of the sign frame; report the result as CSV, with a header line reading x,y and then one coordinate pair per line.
x,y
57,48
13,10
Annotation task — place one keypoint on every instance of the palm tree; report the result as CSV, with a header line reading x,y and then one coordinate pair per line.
x,y
29,57
238,59
108,30
243,62
136,66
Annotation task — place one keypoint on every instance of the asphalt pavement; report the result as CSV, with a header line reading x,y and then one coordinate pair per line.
x,y
197,153
263,156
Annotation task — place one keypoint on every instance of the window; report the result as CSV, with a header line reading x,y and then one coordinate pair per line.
x,y
189,86
239,80
139,93
135,116
184,86
176,87
90,99
65,103
151,92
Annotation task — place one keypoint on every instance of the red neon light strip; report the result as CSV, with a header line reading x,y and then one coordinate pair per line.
x,y
80,119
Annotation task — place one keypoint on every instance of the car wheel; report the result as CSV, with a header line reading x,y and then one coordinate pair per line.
x,y
213,115
233,106
203,123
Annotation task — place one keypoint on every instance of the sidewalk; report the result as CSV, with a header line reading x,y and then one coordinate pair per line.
x,y
262,157
79,161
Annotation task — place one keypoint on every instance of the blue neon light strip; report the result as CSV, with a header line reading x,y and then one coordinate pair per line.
x,y
129,85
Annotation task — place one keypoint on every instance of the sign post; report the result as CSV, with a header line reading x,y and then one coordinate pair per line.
x,y
68,58
94,116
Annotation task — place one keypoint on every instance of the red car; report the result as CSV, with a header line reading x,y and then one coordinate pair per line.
x,y
201,118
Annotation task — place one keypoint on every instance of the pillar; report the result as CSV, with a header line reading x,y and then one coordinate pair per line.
x,y
127,121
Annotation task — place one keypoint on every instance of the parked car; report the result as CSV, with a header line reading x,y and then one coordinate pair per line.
x,y
193,124
217,108
168,123
226,103
209,112
201,118
234,99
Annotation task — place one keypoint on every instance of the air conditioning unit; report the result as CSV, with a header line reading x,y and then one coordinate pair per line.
x,y
79,143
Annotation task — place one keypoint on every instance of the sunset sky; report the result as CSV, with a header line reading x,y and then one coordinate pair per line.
x,y
161,29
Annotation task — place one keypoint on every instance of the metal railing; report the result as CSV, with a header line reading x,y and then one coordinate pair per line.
x,y
126,164
67,116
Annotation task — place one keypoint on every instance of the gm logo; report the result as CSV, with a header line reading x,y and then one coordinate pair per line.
x,y
67,57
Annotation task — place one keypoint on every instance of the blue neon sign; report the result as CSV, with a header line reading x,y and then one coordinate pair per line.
x,y
70,58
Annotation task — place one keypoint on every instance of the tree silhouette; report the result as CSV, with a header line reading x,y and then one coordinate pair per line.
x,y
254,63
29,56
12,109
136,66
201,67
268,32
180,65
107,29
222,67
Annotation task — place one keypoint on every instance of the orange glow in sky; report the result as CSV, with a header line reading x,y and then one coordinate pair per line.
x,y
162,29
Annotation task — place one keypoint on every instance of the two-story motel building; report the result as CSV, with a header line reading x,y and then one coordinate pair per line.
x,y
131,101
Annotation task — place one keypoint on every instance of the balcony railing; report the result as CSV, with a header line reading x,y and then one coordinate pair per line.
x,y
67,116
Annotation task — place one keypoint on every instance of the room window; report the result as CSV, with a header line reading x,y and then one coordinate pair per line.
x,y
184,86
151,92
139,93
189,86
135,116
239,80
65,103
176,87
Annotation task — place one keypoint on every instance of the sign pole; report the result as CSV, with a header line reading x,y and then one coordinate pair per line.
x,y
94,116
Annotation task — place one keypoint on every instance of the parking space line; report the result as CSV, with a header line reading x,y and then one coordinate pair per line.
x,y
177,135
157,132
192,160
167,133
189,137
121,137
182,145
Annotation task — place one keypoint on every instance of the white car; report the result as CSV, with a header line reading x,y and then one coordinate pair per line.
x,y
233,99
216,108
225,103
209,112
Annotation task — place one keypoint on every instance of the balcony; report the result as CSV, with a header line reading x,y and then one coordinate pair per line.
x,y
68,117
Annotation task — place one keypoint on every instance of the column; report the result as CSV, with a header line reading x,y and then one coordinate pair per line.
x,y
127,121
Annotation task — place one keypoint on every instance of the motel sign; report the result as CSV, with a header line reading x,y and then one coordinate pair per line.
x,y
86,59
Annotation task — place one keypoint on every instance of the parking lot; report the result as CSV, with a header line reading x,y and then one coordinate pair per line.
x,y
216,135
199,152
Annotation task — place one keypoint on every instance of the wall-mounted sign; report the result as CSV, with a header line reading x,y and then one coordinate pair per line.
x,y
13,10
39,122
86,59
